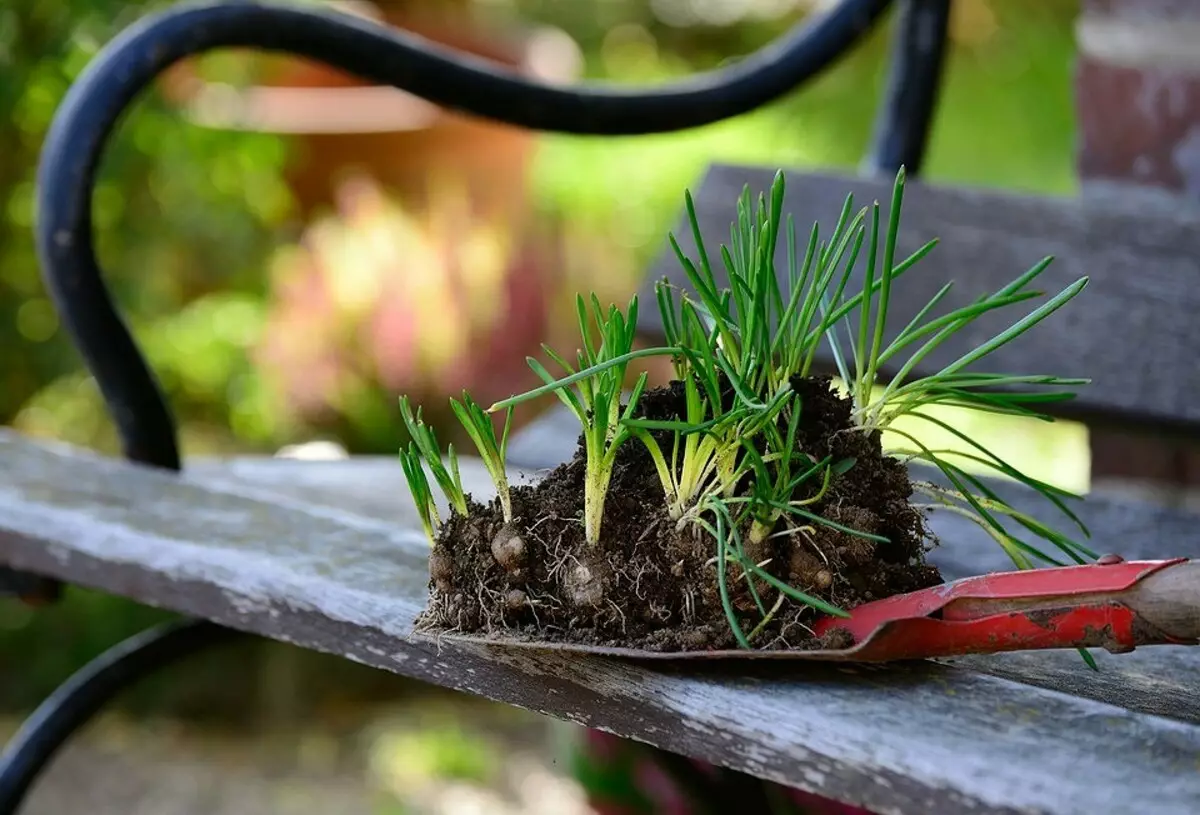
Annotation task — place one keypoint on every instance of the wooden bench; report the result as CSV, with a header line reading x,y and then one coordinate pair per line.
x,y
329,555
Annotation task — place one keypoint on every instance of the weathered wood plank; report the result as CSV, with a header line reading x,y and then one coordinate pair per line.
x,y
1158,681
908,739
1132,330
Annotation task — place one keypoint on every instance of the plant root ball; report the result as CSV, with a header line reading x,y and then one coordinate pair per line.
x,y
508,548
652,582
584,587
441,569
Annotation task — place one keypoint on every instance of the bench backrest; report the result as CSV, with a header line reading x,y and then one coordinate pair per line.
x,y
1133,330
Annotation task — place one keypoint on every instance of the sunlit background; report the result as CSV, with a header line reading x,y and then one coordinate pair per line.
x,y
294,249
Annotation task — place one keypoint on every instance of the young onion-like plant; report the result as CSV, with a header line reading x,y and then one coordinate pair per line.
x,y
760,360
479,427
757,334
694,453
424,448
423,451
749,337
705,442
418,485
597,404
953,384
731,463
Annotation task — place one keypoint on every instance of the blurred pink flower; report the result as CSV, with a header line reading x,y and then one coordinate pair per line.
x,y
427,303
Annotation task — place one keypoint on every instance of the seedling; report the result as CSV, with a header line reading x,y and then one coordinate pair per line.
x,y
479,427
418,485
708,432
423,448
763,361
598,403
953,385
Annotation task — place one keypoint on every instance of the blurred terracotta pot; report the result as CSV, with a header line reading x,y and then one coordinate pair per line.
x,y
340,124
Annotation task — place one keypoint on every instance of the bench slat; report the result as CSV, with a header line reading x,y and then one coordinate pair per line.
x,y
1158,681
926,738
1132,331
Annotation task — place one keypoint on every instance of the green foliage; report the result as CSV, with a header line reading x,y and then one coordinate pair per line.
x,y
598,403
756,337
185,216
700,461
478,425
182,213
764,339
423,450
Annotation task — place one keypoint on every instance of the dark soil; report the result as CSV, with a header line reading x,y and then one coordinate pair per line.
x,y
649,585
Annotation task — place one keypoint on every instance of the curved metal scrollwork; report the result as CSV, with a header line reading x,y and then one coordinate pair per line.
x,y
112,82
918,53
81,696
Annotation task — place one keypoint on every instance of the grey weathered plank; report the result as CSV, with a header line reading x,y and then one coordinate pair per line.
x,y
1161,681
901,739
906,739
1132,330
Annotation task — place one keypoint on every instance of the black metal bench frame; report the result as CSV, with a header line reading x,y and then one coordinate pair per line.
x,y
97,101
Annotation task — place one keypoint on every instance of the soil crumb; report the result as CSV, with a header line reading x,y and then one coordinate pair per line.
x,y
652,586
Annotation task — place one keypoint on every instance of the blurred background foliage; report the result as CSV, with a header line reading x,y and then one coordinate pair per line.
x,y
288,280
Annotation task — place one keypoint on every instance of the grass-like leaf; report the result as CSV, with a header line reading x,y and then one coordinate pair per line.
x,y
426,443
598,403
418,485
479,427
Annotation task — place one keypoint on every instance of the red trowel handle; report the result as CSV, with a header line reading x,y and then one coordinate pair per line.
x,y
1161,601
1112,604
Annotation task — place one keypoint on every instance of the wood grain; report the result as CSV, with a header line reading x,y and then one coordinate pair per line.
x,y
1132,331
255,546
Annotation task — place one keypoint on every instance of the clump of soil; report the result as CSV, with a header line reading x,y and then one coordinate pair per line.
x,y
652,586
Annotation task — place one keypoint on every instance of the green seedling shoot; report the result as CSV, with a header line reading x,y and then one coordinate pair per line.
x,y
597,405
479,427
